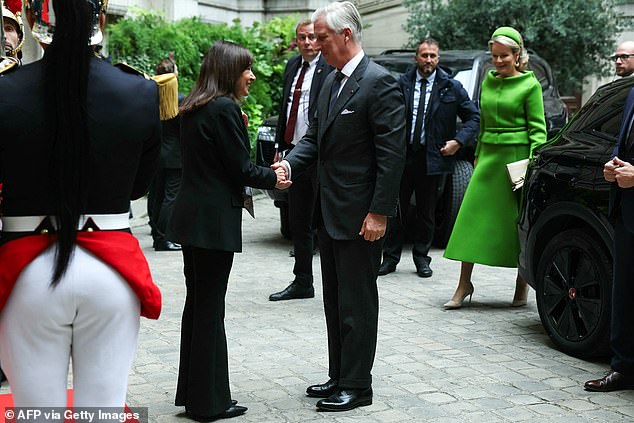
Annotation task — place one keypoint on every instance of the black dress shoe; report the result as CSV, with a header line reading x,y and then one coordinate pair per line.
x,y
324,390
293,291
346,399
612,381
166,246
233,411
387,267
424,271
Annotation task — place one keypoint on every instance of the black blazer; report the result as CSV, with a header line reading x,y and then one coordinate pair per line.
x,y
359,147
171,142
216,166
622,199
124,140
321,71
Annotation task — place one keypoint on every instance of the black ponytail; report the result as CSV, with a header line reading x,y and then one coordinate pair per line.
x,y
66,64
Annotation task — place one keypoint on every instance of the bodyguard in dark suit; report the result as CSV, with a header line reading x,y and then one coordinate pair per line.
x,y
621,171
207,221
434,101
167,181
303,78
358,141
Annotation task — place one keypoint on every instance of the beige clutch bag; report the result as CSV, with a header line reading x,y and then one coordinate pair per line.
x,y
517,172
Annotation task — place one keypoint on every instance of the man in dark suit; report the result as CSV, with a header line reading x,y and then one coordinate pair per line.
x,y
167,181
303,77
433,143
358,141
621,171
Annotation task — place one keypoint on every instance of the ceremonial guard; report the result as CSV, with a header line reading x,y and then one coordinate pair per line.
x,y
11,35
73,279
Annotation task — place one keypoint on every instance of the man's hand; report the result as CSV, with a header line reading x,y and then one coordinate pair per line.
x,y
609,170
282,175
450,148
623,173
373,227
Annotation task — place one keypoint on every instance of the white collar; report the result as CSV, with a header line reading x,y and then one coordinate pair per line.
x,y
350,67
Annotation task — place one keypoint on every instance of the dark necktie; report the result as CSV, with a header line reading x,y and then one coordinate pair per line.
x,y
418,126
334,90
292,117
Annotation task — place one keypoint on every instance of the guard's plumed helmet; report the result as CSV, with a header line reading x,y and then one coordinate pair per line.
x,y
43,26
12,10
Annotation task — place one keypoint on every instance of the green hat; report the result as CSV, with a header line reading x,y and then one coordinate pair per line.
x,y
509,32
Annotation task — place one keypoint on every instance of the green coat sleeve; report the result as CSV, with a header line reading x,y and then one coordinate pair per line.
x,y
535,120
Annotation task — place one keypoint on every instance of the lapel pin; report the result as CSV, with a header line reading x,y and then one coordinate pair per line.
x,y
318,70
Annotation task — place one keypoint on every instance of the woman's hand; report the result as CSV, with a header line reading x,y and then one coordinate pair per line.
x,y
280,173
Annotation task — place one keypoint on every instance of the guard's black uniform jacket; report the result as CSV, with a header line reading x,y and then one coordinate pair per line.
x,y
124,140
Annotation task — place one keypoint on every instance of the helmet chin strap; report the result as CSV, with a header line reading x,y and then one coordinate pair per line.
x,y
2,49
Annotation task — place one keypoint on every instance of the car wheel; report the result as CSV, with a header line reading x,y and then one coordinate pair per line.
x,y
574,293
450,201
285,224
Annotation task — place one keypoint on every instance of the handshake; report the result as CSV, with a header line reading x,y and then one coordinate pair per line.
x,y
282,172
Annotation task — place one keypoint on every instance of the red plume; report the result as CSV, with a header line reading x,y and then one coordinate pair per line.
x,y
15,6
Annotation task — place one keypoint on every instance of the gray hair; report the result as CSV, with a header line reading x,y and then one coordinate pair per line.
x,y
339,16
522,62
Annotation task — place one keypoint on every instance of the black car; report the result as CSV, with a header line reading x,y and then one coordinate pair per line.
x,y
565,232
467,66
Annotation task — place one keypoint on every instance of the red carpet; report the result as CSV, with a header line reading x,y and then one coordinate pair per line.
x,y
6,401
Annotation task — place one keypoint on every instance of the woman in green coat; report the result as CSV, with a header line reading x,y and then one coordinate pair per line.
x,y
512,125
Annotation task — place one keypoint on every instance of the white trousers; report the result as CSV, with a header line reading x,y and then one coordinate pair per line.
x,y
91,316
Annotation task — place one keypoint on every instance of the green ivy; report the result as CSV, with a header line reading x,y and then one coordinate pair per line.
x,y
146,37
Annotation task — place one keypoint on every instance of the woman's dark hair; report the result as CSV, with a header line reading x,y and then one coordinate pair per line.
x,y
221,68
66,63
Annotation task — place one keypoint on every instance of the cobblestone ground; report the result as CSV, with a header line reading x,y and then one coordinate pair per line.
x,y
484,363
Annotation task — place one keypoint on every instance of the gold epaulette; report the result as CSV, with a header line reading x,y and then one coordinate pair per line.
x,y
129,69
168,95
7,64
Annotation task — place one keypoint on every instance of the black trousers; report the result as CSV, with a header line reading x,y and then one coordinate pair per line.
x,y
427,190
160,200
301,207
351,304
203,371
622,324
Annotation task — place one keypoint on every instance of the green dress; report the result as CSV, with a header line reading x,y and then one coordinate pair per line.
x,y
512,125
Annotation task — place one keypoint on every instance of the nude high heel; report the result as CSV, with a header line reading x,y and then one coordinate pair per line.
x,y
521,294
455,304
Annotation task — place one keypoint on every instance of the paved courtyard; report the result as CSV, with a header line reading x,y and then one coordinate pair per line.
x,y
484,363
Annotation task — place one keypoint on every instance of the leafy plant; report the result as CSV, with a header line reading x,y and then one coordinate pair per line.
x,y
574,36
146,37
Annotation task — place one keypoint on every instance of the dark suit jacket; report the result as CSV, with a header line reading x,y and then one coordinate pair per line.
x,y
321,71
448,100
360,149
216,166
123,140
623,199
171,142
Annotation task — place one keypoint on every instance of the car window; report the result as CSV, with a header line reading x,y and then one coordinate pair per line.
x,y
467,79
604,116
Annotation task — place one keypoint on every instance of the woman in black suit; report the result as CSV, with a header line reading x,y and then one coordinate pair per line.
x,y
206,221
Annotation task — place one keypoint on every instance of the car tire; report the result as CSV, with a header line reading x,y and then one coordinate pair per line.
x,y
574,293
285,224
449,202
